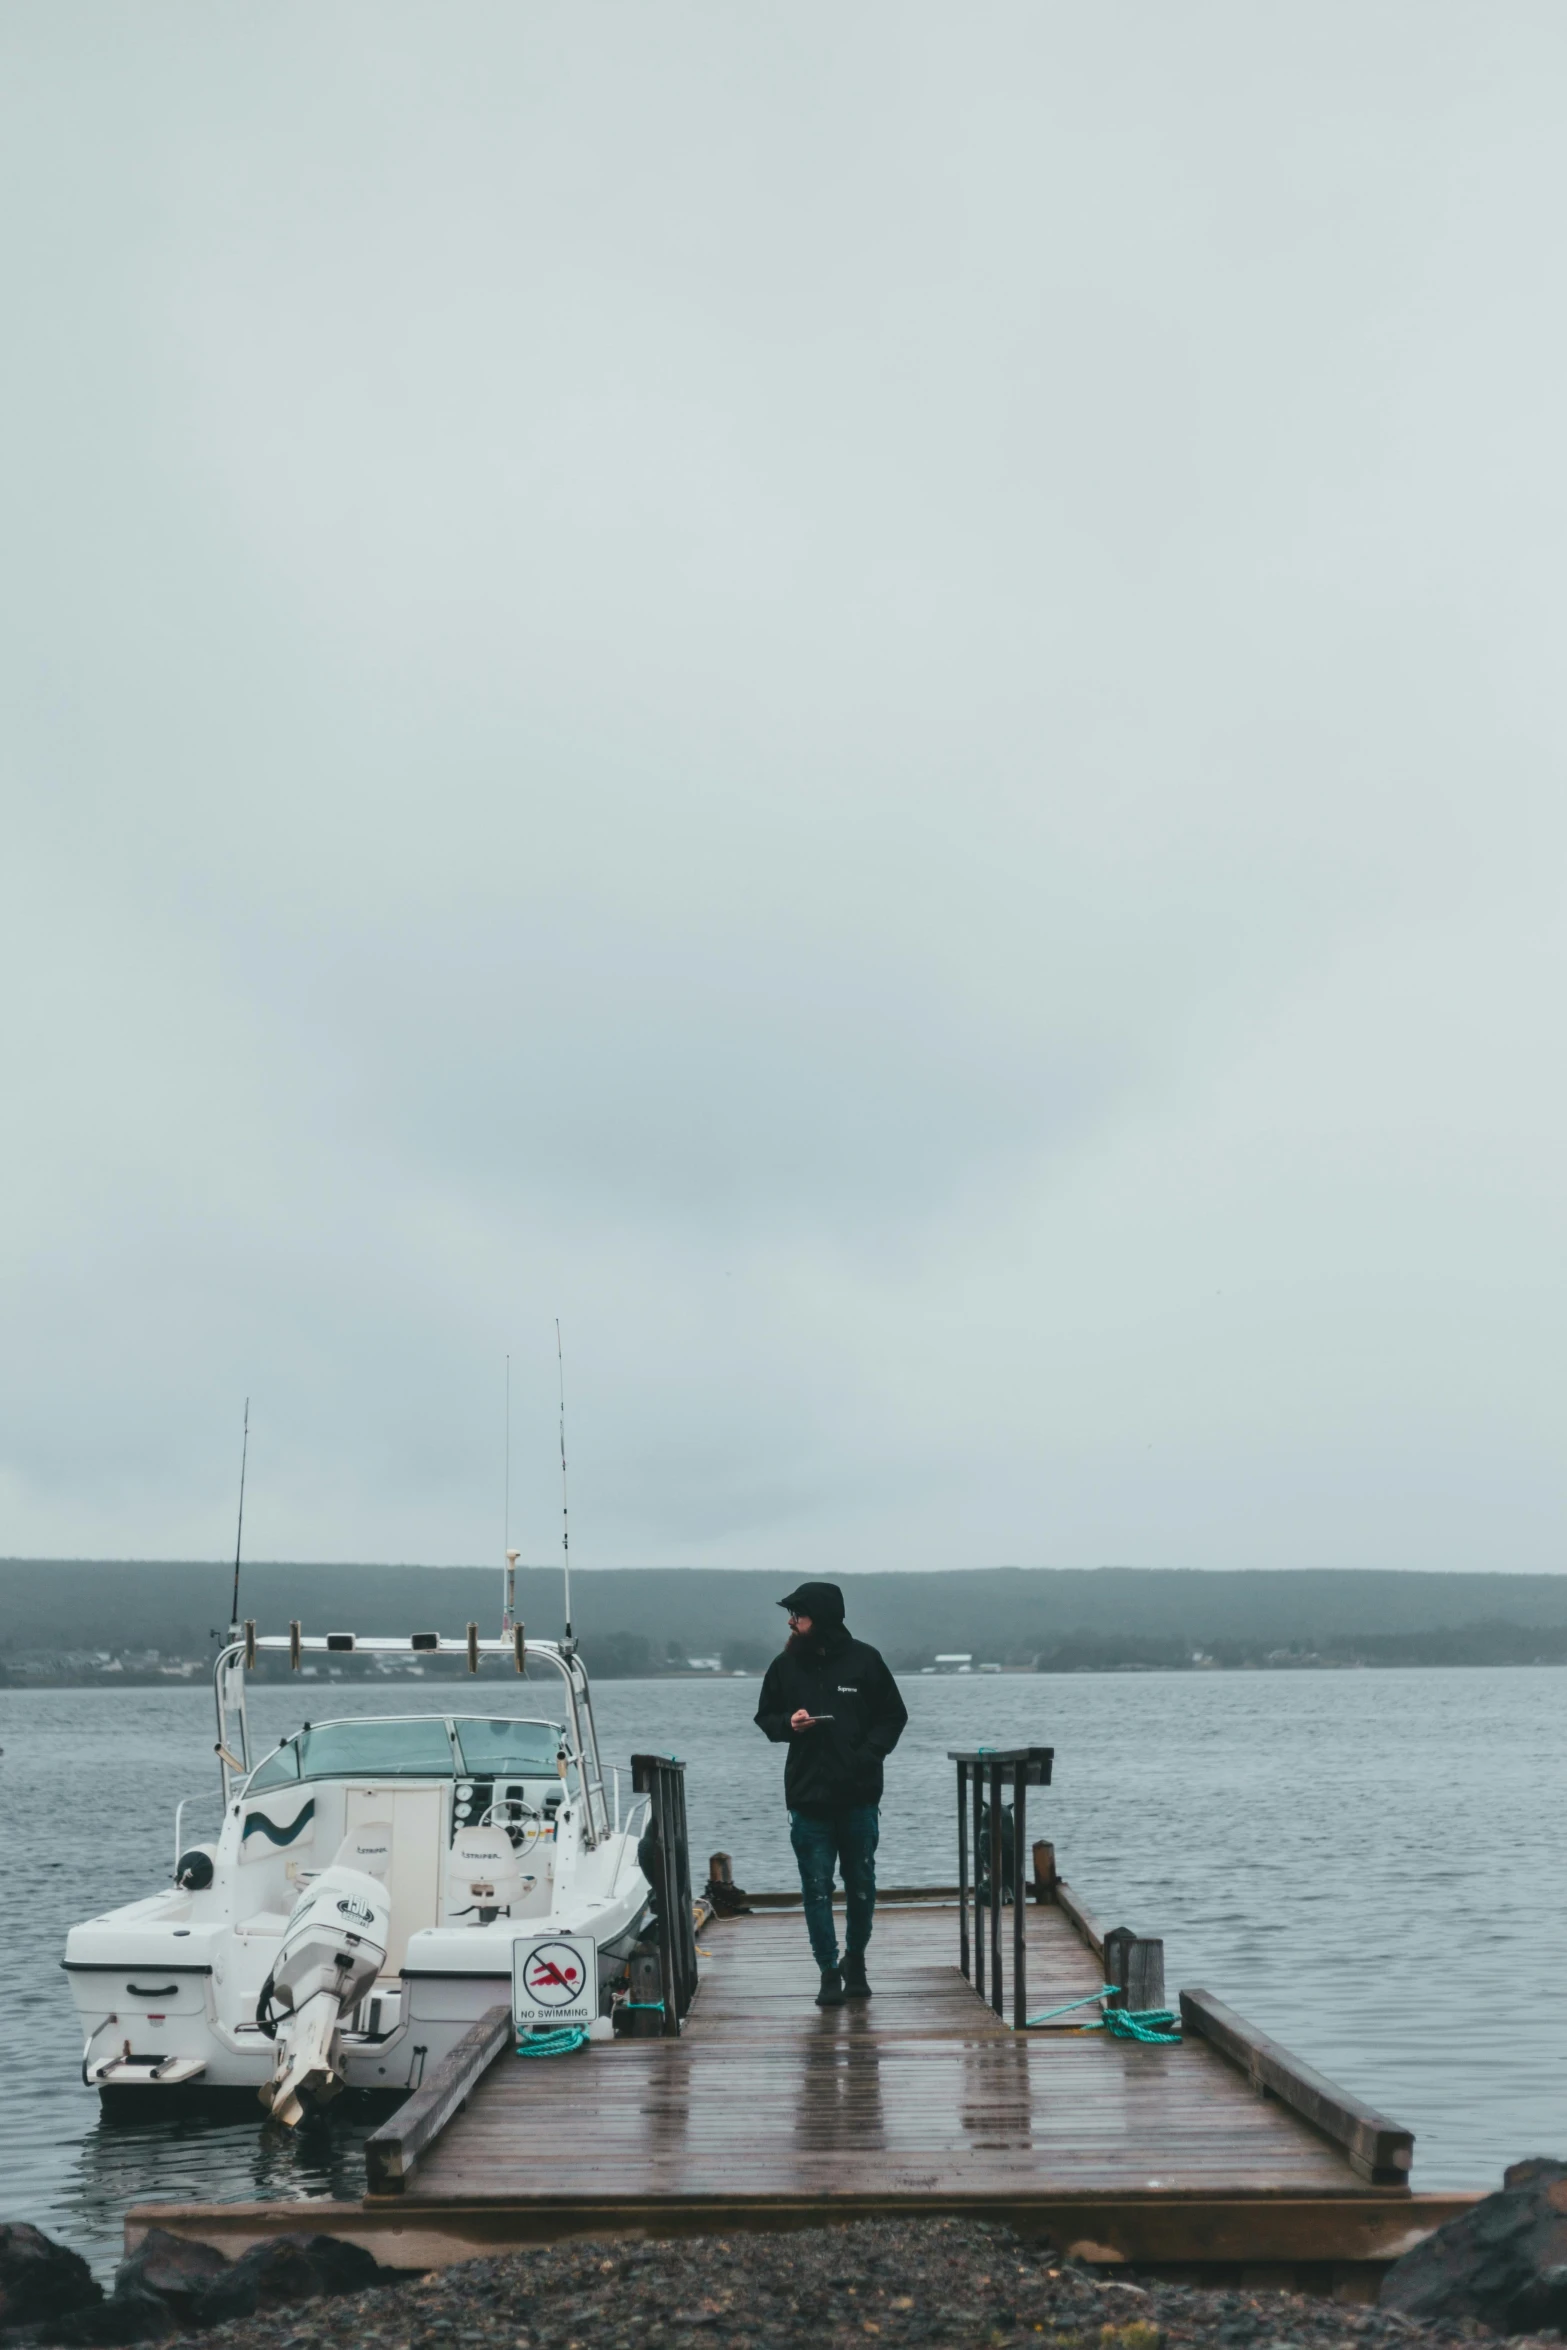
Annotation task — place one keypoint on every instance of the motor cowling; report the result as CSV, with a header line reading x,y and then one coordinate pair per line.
x,y
332,1950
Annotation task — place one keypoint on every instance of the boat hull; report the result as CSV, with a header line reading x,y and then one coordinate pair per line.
x,y
147,2020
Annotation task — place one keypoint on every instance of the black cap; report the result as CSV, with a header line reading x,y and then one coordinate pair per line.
x,y
822,1602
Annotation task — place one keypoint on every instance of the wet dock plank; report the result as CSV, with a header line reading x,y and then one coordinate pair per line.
x,y
923,2092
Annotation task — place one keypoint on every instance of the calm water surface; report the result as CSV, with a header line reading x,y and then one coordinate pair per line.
x,y
1369,1865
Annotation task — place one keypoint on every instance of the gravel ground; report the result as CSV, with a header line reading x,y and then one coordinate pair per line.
x,y
906,2281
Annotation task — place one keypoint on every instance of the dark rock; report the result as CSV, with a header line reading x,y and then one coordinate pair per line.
x,y
284,2270
132,2316
1503,2263
1538,2166
39,2278
176,2270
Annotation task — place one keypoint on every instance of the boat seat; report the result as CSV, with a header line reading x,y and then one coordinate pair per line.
x,y
264,1922
367,1847
482,1873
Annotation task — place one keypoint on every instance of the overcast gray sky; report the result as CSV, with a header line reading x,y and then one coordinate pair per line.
x,y
868,697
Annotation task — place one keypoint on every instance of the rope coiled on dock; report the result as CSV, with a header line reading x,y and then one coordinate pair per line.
x,y
563,2042
1150,2025
1140,2023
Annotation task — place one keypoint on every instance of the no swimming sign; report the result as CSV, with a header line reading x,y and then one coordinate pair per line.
x,y
555,1981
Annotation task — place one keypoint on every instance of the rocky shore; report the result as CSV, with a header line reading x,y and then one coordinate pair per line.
x,y
883,2283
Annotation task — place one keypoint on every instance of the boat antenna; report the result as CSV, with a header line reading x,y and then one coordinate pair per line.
x,y
565,1519
239,1531
509,1601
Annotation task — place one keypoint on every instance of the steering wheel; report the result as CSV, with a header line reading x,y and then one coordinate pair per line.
x,y
522,1821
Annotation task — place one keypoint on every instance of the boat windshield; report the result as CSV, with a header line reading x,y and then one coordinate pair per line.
x,y
415,1746
500,1749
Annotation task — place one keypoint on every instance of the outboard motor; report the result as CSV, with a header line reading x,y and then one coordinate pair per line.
x,y
332,1950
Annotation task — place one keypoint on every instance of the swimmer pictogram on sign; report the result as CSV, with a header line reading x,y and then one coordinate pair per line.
x,y
555,1980
554,1975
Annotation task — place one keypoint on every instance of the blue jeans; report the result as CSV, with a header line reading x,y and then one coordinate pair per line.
x,y
848,1838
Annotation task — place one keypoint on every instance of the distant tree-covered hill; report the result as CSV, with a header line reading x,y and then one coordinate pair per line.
x,y
632,1617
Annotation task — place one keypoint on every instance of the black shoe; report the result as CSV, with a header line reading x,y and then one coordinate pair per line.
x,y
854,1984
831,1993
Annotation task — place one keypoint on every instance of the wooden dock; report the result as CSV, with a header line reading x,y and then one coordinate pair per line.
x,y
1222,2157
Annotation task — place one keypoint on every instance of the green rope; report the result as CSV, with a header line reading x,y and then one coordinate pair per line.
x,y
563,2042
647,2004
1087,2000
1147,2024
1142,2023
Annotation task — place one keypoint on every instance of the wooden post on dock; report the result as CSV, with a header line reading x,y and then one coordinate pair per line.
x,y
1145,1973
1044,1871
724,1898
646,2020
1134,1969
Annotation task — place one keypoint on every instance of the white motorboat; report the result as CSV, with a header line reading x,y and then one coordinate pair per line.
x,y
360,1904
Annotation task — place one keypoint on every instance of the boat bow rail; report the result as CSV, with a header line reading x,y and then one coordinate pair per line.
x,y
581,1753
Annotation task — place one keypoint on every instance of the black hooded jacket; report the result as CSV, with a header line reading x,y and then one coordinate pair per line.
x,y
838,1763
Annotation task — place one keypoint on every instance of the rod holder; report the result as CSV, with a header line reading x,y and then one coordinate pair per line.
x,y
664,1856
293,1646
995,1837
473,1648
519,1644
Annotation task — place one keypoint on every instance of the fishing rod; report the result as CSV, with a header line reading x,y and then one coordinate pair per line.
x,y
565,1521
509,1604
239,1531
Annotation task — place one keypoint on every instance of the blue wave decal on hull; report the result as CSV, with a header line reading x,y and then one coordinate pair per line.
x,y
273,1833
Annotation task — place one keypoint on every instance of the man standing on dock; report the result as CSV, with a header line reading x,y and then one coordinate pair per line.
x,y
833,1702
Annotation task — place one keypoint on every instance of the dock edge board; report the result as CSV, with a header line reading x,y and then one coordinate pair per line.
x,y
392,2151
1353,2236
1379,2150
